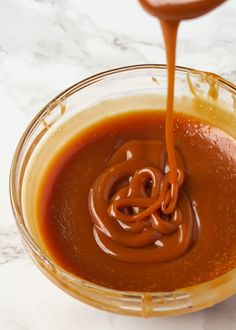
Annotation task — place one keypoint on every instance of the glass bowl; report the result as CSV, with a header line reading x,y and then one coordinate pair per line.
x,y
137,87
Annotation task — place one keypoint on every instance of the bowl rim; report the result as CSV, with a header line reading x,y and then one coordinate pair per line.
x,y
19,217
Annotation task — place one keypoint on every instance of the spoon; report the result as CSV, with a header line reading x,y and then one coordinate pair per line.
x,y
179,9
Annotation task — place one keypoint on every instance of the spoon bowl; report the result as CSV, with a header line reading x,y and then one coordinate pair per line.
x,y
179,9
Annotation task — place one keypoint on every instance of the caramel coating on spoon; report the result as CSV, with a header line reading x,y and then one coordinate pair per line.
x,y
179,9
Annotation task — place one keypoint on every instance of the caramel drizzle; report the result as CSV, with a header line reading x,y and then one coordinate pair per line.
x,y
139,215
149,218
162,200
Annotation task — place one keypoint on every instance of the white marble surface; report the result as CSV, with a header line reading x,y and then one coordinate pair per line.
x,y
45,46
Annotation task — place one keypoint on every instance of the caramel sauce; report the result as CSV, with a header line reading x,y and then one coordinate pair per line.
x,y
64,218
142,198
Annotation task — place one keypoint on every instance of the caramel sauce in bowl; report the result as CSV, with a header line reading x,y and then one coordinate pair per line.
x,y
203,95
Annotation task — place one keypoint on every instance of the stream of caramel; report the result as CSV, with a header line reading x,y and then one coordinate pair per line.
x,y
149,218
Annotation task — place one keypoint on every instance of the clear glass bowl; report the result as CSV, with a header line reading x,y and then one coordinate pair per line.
x,y
82,98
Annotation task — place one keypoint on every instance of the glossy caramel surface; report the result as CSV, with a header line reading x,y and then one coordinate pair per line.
x,y
66,226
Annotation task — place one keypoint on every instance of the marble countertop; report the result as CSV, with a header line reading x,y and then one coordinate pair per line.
x,y
45,46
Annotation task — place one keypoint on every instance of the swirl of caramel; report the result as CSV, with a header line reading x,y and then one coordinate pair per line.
x,y
138,215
